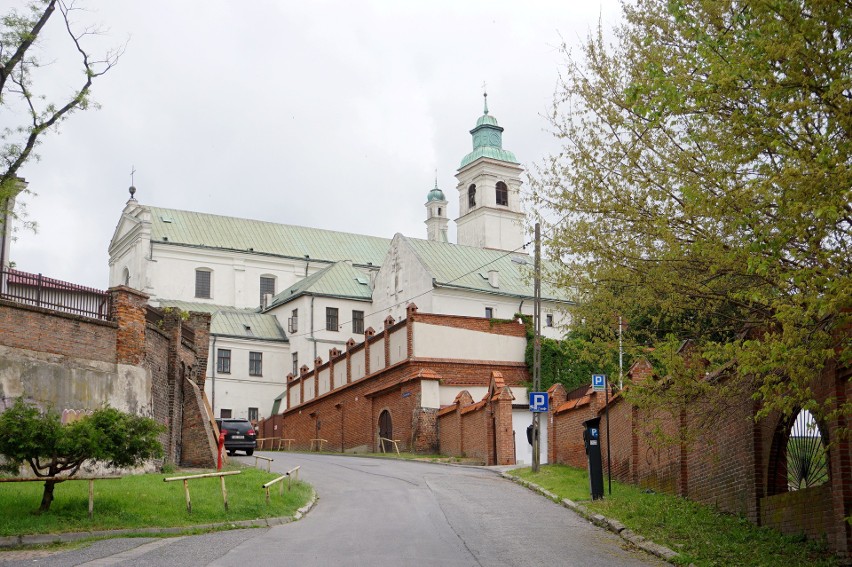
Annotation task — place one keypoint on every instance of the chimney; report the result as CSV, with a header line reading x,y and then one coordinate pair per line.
x,y
494,278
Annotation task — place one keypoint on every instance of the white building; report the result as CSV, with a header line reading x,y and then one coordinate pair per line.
x,y
282,296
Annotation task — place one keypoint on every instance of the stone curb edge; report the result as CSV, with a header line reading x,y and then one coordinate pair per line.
x,y
612,525
43,539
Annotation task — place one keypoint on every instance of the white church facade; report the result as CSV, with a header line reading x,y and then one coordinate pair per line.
x,y
282,296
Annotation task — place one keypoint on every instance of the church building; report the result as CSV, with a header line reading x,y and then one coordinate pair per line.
x,y
282,296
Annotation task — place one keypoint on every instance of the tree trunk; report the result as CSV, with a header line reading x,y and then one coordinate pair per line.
x,y
47,497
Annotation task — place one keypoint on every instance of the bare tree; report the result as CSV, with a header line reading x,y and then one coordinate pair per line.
x,y
27,112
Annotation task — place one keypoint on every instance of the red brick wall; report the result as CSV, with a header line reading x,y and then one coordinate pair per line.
x,y
508,328
41,330
807,511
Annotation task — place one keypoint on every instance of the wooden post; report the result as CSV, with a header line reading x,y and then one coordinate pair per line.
x,y
91,498
186,489
267,495
224,492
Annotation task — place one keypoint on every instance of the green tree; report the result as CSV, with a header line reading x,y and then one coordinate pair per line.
x,y
27,113
107,435
703,189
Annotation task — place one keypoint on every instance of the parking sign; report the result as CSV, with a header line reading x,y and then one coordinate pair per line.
x,y
538,402
598,382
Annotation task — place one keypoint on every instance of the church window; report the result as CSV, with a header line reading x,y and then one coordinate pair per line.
x,y
471,196
358,322
202,283
126,277
255,364
502,194
331,318
489,312
439,211
293,322
267,286
295,364
223,361
548,320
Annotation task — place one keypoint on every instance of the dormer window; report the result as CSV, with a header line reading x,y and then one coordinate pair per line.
x,y
471,196
502,194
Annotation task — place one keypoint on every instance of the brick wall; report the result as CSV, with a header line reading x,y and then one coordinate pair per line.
x,y
41,330
721,458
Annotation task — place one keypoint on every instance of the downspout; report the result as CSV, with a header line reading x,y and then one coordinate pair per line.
x,y
313,339
213,379
307,263
3,234
520,307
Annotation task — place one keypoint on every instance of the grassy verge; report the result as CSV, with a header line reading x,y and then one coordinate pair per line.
x,y
144,501
700,534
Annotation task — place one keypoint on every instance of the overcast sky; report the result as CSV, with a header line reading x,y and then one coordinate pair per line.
x,y
326,114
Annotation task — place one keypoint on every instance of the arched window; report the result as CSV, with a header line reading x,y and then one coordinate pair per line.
x,y
125,277
799,457
203,279
502,194
471,196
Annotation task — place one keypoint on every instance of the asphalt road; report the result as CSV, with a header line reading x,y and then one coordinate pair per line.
x,y
383,512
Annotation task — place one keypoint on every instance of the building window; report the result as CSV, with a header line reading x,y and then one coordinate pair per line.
x,y
548,320
471,196
255,364
295,364
225,413
252,414
293,322
502,194
331,318
125,278
202,283
358,322
267,287
489,312
223,361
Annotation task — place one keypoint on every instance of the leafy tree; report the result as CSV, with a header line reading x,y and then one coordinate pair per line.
x,y
704,190
107,435
28,115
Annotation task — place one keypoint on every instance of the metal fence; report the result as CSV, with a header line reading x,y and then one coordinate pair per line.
x,y
57,295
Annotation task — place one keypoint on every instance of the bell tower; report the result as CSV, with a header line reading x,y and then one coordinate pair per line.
x,y
489,177
436,214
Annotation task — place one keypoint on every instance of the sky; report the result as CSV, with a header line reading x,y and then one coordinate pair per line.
x,y
326,114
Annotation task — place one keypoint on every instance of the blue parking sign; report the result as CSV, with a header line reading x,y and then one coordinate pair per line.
x,y
538,402
599,382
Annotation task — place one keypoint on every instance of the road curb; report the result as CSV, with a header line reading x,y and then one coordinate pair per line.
x,y
46,539
614,526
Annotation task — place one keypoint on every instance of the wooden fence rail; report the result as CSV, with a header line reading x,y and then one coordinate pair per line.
x,y
91,480
186,480
288,475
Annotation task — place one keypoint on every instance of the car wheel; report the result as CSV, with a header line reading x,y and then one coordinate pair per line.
x,y
230,452
249,452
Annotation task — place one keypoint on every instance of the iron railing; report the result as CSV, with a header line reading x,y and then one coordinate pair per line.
x,y
53,294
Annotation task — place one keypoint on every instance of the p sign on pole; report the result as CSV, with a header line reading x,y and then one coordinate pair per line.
x,y
598,382
538,402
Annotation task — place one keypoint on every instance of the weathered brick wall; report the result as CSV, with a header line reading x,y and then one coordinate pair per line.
x,y
566,432
451,439
808,511
157,363
476,430
508,328
41,330
128,310
403,404
198,441
658,435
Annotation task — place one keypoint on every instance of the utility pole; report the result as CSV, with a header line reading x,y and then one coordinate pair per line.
x,y
537,347
620,356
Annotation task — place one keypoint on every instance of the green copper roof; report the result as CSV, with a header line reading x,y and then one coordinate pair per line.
x,y
338,280
233,322
248,325
487,138
260,237
435,194
452,266
489,152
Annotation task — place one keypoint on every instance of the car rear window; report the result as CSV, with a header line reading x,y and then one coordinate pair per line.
x,y
237,426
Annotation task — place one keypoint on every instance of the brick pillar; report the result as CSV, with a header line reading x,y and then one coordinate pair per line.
x,y
840,463
502,408
410,312
368,334
200,323
171,327
128,310
558,396
389,321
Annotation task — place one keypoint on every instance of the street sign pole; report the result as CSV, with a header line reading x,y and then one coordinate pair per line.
x,y
537,346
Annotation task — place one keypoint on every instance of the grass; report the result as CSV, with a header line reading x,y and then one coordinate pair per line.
x,y
701,534
145,501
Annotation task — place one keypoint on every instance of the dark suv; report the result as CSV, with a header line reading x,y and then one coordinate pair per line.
x,y
239,435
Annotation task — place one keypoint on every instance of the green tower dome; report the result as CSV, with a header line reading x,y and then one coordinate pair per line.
x,y
435,194
487,140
